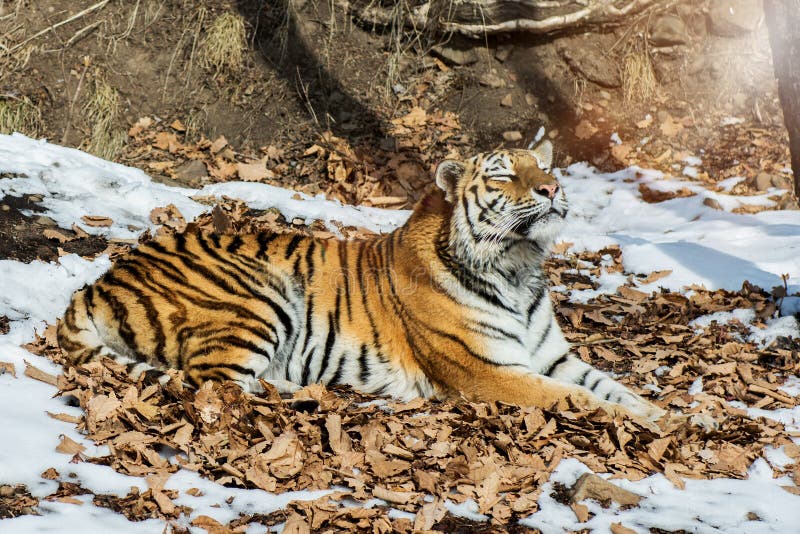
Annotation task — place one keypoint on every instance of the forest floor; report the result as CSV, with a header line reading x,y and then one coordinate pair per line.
x,y
200,94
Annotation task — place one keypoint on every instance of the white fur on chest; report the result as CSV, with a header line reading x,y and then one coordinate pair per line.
x,y
532,344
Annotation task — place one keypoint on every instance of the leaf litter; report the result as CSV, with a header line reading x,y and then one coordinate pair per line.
x,y
417,457
421,456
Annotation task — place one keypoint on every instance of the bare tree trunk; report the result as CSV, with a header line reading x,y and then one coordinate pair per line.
x,y
478,18
783,22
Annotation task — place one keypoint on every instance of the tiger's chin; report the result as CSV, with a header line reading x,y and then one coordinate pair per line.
x,y
546,228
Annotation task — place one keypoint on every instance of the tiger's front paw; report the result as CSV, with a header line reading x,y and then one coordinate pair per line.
x,y
704,421
701,420
642,407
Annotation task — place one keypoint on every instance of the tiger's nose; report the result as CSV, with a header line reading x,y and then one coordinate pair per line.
x,y
548,190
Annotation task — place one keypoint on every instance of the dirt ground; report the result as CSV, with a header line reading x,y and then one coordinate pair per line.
x,y
189,91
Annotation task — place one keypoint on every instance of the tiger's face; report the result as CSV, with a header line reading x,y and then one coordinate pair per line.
x,y
505,195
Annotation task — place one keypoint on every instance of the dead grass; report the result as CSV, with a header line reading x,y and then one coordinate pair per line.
x,y
638,77
102,111
11,58
222,50
278,19
195,123
20,115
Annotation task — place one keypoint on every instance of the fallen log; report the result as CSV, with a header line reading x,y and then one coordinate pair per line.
x,y
478,18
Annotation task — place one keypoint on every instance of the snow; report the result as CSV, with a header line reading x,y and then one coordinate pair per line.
x,y
719,506
730,121
699,244
63,518
690,171
744,316
74,184
536,138
467,509
27,306
300,205
696,387
729,183
773,327
694,161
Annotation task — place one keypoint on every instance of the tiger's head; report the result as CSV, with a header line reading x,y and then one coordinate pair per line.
x,y
502,198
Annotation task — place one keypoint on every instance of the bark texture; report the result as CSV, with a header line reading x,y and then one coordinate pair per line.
x,y
477,18
783,22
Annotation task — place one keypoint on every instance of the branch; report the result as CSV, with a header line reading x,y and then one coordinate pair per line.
x,y
478,18
76,16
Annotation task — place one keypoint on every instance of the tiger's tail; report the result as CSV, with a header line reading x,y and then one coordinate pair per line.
x,y
82,342
78,336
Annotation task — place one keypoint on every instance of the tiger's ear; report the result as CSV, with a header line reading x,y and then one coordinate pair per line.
x,y
543,153
447,174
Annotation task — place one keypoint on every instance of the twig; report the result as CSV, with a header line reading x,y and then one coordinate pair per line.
x,y
76,16
755,388
80,34
70,113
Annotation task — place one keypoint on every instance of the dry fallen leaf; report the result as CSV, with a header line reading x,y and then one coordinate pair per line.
x,y
656,275
618,528
141,125
8,367
670,128
581,511
50,233
416,117
255,171
97,221
38,374
591,486
620,152
585,130
69,446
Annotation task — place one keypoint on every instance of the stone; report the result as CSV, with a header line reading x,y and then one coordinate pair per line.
x,y
512,136
782,182
455,55
591,486
42,220
763,181
697,65
507,101
788,202
669,30
193,171
593,65
502,52
733,18
492,79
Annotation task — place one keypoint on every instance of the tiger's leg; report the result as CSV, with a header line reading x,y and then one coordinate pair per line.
x,y
570,369
222,363
523,388
284,387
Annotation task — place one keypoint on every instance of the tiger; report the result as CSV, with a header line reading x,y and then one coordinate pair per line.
x,y
452,304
